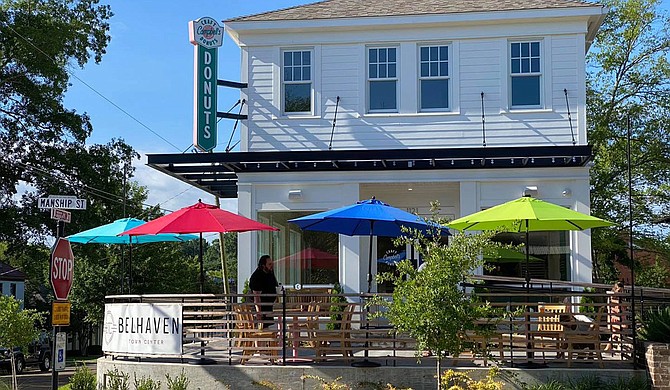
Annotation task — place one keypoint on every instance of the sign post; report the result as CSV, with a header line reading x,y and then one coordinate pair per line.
x,y
207,36
61,274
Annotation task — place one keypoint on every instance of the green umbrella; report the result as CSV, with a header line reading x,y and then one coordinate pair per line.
x,y
526,215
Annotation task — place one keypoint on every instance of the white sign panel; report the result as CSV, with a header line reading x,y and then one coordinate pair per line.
x,y
62,202
143,328
60,351
61,215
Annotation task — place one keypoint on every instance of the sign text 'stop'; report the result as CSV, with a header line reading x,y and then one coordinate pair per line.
x,y
61,202
205,32
62,269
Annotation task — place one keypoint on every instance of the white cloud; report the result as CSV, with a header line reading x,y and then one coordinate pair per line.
x,y
173,194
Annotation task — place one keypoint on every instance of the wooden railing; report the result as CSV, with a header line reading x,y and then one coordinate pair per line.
x,y
537,324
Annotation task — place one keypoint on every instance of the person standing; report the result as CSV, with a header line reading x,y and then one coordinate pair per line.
x,y
263,281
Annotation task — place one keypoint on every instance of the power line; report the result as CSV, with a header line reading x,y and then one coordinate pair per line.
x,y
71,73
84,187
93,190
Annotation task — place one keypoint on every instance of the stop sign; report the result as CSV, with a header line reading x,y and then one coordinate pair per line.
x,y
62,269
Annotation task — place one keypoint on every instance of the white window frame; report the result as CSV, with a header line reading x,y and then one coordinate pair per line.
x,y
369,80
283,82
530,73
448,77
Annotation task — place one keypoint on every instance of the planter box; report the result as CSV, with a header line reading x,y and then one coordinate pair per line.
x,y
657,357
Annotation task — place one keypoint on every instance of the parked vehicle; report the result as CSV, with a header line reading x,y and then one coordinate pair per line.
x,y
38,353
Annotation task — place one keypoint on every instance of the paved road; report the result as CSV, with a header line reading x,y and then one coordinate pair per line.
x,y
34,379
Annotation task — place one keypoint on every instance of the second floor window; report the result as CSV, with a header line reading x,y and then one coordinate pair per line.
x,y
434,77
382,79
297,81
525,74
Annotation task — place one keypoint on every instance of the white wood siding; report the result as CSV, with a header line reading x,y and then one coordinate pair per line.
x,y
477,65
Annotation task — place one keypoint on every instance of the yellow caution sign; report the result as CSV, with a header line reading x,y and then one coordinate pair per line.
x,y
60,313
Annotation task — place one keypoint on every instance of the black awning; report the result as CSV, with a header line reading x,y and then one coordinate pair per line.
x,y
216,173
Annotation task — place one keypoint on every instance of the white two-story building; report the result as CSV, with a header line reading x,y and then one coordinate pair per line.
x,y
470,103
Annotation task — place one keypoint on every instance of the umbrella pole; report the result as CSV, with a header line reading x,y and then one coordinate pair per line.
x,y
366,362
202,272
370,261
130,265
527,261
123,271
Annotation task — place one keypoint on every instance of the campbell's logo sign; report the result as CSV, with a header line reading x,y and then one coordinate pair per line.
x,y
206,32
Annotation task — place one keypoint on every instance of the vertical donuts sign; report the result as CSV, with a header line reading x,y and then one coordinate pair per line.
x,y
207,36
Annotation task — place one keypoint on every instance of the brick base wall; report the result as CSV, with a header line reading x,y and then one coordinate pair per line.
x,y
657,356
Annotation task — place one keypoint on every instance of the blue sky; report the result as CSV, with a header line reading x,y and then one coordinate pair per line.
x,y
148,73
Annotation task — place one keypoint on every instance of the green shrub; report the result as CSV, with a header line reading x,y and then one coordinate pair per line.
x,y
451,379
117,380
336,307
587,302
146,383
325,385
634,383
267,385
656,326
83,379
592,382
553,385
245,291
180,382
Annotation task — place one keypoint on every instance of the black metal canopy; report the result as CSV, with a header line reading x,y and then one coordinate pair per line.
x,y
216,173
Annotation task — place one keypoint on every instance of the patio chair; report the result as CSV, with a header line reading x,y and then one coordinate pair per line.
x,y
549,329
484,343
324,340
584,340
252,339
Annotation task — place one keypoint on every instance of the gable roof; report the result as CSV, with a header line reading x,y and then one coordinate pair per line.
x,y
335,9
8,272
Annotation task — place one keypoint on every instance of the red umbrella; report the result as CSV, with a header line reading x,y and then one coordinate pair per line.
x,y
312,257
199,218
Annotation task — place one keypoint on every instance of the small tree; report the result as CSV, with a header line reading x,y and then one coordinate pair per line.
x,y
17,329
430,304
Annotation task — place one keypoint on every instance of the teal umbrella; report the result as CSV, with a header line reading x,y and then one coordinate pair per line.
x,y
109,234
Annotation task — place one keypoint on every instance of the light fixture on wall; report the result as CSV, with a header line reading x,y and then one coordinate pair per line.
x,y
530,191
295,194
566,193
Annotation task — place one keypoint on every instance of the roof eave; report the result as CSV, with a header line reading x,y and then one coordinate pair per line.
x,y
595,21
235,28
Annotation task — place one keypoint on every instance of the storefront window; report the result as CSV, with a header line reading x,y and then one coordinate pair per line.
x,y
300,256
549,256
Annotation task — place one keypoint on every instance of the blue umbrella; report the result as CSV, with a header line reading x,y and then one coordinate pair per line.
x,y
109,234
367,217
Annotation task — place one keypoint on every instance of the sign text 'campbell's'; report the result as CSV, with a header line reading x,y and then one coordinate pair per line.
x,y
206,34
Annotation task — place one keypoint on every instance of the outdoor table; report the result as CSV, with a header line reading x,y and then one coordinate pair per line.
x,y
295,317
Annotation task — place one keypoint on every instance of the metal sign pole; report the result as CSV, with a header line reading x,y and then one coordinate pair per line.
x,y
60,232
